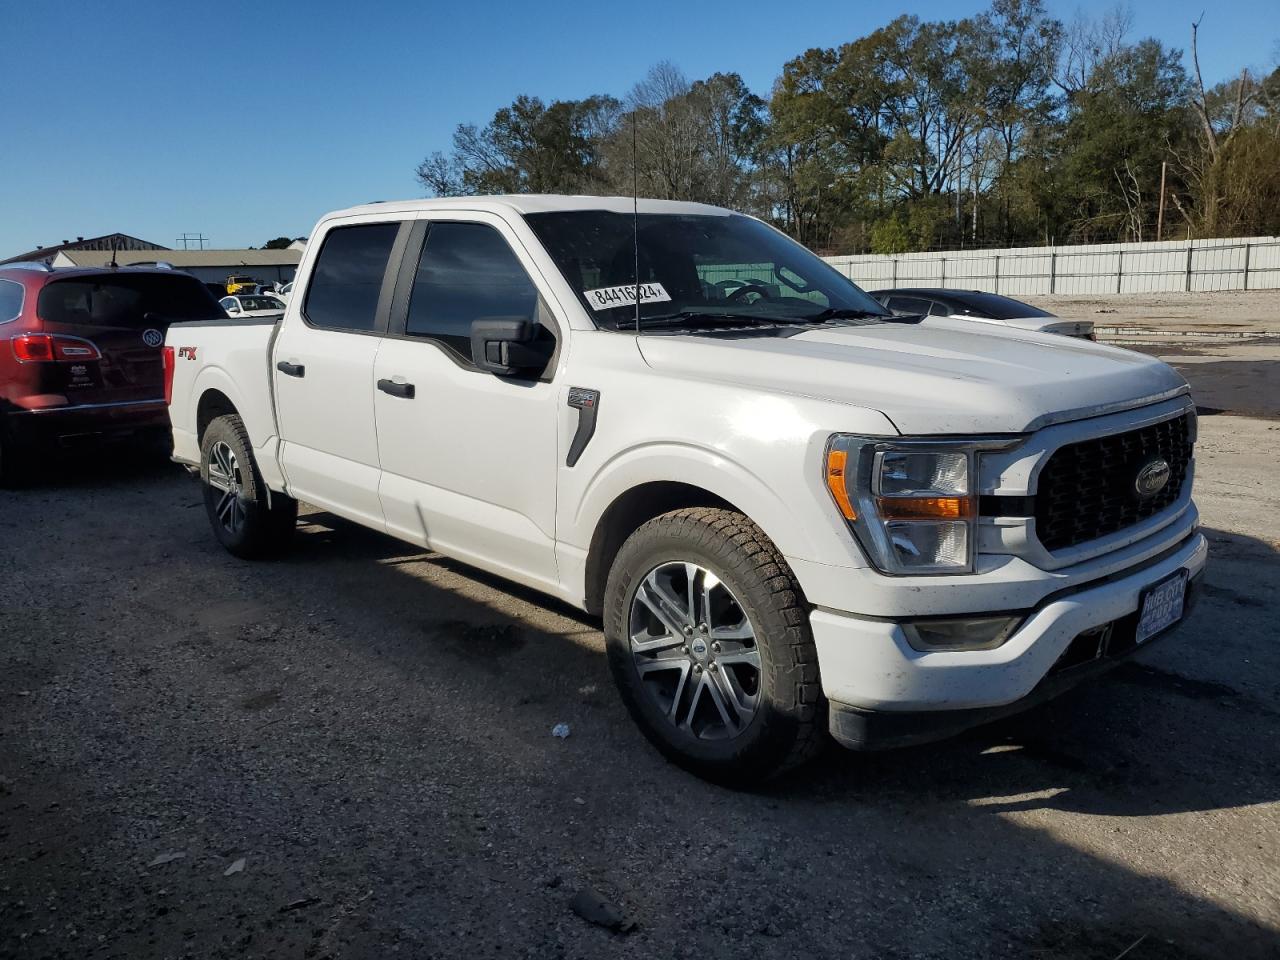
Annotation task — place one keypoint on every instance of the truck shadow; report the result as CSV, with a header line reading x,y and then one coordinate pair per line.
x,y
1134,742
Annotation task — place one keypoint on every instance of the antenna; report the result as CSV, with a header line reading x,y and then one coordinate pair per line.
x,y
635,213
115,239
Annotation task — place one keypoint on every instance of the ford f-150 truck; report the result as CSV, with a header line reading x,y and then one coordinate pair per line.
x,y
795,512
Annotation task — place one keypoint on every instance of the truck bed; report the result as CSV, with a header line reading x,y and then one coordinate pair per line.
x,y
223,363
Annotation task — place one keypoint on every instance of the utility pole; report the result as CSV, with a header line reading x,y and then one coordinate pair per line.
x,y
1164,165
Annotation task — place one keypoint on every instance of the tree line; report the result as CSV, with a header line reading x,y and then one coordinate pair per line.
x,y
1010,127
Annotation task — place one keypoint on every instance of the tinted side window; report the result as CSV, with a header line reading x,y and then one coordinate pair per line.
x,y
347,279
10,300
938,309
466,271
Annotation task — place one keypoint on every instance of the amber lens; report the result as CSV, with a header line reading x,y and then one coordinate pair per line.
x,y
837,462
925,508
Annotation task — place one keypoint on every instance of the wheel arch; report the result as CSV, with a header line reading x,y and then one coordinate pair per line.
x,y
629,511
213,403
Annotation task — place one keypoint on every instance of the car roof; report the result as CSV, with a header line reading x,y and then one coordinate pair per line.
x,y
534,203
36,274
939,292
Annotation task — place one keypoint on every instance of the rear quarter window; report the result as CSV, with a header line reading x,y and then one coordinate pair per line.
x,y
997,307
11,297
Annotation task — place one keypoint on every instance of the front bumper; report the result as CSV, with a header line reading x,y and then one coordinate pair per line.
x,y
68,426
869,668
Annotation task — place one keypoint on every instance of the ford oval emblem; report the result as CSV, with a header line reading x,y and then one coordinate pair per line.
x,y
152,337
1152,478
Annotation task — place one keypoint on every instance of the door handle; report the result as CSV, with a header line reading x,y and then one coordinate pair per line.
x,y
396,389
291,369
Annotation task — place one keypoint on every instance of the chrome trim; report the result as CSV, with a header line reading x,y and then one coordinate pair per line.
x,y
1020,475
1101,410
1147,421
95,406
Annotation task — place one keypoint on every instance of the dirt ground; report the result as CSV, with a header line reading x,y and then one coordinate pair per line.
x,y
1256,312
347,753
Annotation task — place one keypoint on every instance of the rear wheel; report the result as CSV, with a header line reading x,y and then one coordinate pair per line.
x,y
709,642
250,521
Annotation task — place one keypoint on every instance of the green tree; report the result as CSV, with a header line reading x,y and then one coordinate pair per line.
x,y
528,147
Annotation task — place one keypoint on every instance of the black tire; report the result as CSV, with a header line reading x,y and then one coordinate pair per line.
x,y
259,523
788,726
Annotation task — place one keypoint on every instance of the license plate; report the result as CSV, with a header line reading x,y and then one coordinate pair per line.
x,y
1161,606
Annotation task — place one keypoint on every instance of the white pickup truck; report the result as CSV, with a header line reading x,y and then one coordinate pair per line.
x,y
795,512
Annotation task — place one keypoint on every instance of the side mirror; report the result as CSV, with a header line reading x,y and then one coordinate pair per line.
x,y
508,346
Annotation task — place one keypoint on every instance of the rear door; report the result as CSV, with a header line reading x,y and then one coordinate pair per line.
x,y
122,317
323,370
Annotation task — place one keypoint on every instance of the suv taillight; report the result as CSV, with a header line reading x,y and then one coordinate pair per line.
x,y
47,348
167,354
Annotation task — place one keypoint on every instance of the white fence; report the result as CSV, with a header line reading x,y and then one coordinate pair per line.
x,y
1251,263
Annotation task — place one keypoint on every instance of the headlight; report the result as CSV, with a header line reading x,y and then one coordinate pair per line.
x,y
913,505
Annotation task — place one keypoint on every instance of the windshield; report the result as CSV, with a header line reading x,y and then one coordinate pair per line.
x,y
261,303
699,264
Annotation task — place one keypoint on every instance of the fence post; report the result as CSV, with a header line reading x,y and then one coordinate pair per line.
x,y
1053,269
1247,247
1190,250
894,281
1119,269
942,279
996,287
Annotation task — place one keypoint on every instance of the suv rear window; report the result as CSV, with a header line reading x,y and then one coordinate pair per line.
x,y
126,300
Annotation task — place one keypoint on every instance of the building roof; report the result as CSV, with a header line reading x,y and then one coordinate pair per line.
x,y
104,242
182,258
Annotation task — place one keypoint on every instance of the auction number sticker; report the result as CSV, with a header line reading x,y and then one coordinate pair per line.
x,y
607,298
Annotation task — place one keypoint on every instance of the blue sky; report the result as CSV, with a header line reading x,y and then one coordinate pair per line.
x,y
246,121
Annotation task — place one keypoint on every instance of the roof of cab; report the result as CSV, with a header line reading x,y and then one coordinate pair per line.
x,y
533,203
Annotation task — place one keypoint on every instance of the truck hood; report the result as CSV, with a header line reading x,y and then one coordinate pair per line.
x,y
925,379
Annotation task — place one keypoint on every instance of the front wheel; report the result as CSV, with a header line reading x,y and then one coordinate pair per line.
x,y
250,521
709,643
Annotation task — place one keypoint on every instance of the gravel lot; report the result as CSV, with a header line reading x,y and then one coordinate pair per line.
x,y
364,732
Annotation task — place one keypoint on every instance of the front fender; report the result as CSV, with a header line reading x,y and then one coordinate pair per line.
x,y
801,526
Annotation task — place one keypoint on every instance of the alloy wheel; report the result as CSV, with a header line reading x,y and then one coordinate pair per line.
x,y
225,477
695,650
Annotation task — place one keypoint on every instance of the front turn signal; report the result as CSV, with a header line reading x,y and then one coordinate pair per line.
x,y
837,465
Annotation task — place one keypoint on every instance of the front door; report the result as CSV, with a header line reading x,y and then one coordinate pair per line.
x,y
468,458
322,366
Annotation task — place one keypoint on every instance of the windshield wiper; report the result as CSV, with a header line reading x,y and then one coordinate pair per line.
x,y
700,315
845,313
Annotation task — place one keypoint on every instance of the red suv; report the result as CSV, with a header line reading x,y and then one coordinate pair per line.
x,y
80,354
